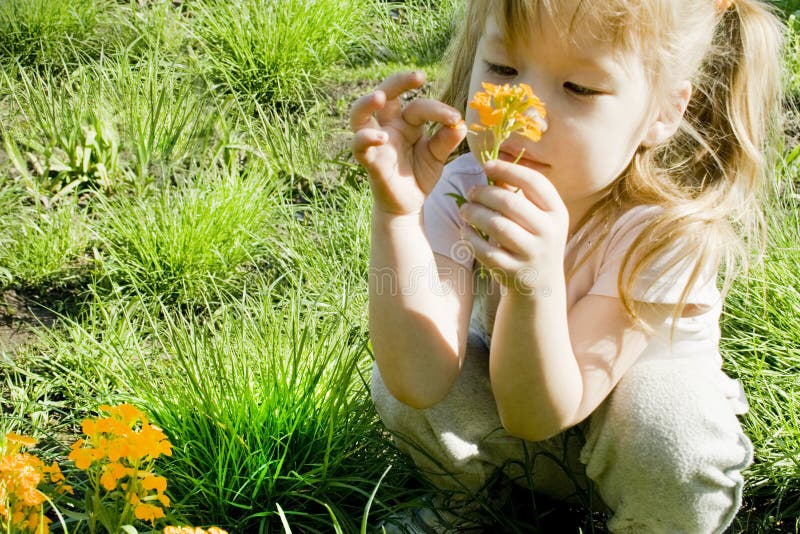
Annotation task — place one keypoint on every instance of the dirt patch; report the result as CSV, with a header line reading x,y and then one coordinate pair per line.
x,y
20,316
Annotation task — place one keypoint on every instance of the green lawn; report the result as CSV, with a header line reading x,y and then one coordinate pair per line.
x,y
183,228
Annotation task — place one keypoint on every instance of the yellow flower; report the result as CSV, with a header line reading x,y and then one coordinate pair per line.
x,y
21,473
112,473
505,109
84,456
148,512
153,482
27,441
193,530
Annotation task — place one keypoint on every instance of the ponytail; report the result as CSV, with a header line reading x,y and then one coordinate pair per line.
x,y
712,176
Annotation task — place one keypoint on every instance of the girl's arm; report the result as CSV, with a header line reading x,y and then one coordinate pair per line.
x,y
565,364
549,368
419,308
417,323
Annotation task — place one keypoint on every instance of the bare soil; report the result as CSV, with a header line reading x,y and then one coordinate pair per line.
x,y
20,316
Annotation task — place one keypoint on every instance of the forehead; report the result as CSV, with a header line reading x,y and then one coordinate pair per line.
x,y
584,50
611,24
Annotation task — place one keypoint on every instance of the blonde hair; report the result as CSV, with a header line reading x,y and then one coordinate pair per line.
x,y
709,178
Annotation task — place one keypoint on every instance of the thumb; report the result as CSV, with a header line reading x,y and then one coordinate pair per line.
x,y
445,140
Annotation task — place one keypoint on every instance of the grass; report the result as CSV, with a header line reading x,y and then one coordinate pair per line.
x,y
178,243
41,247
417,31
38,33
175,181
284,422
761,340
277,51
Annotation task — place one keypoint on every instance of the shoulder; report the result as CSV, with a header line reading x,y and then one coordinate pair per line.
x,y
630,224
656,266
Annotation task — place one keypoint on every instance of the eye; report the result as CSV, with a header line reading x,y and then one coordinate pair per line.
x,y
501,70
580,90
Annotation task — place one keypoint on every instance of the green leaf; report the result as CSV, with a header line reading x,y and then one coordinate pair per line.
x,y
460,200
369,502
793,155
286,528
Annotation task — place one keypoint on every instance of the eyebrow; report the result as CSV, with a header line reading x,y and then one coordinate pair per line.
x,y
495,38
603,68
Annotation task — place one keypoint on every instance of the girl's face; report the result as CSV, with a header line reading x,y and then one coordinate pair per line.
x,y
598,108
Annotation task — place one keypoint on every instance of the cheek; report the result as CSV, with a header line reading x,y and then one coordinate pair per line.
x,y
603,144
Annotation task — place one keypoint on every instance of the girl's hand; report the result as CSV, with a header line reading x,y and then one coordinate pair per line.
x,y
526,223
390,141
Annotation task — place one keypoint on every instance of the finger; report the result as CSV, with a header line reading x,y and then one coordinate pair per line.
x,y
512,204
365,139
536,187
398,83
492,256
393,88
362,109
445,140
434,151
424,110
499,229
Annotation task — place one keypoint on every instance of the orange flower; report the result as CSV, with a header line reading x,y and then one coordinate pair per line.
x,y
163,499
112,473
121,448
21,473
127,414
152,440
37,523
54,472
487,115
26,441
84,456
505,109
148,512
119,452
153,482
193,530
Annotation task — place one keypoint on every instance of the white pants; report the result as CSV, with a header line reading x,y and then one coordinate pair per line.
x,y
665,450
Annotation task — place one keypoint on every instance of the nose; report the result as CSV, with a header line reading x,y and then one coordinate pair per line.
x,y
544,89
532,114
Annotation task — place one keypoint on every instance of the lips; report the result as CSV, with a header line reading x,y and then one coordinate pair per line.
x,y
511,153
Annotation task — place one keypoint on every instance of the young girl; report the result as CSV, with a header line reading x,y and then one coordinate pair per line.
x,y
601,242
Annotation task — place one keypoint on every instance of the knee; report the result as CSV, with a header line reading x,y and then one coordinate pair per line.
x,y
667,449
670,417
